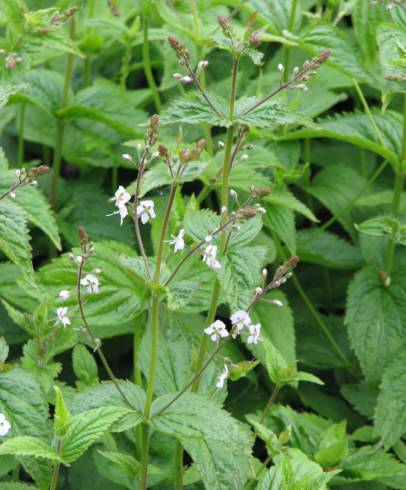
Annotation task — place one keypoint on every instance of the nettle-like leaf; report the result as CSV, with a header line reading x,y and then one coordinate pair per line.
x,y
328,250
276,14
219,445
294,470
28,446
392,54
86,428
390,412
387,226
121,296
281,221
366,21
240,273
333,445
376,312
84,365
270,114
356,128
14,236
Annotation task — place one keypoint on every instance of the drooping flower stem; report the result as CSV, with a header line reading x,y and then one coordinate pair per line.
x,y
396,200
60,125
154,325
55,474
147,58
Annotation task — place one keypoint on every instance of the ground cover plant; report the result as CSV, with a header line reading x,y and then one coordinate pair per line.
x,y
202,230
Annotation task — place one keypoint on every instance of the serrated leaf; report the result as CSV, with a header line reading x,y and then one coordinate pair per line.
x,y
390,412
384,226
328,250
286,199
366,21
84,365
356,128
362,397
28,446
86,428
333,445
62,418
376,316
281,221
14,237
392,39
201,223
240,274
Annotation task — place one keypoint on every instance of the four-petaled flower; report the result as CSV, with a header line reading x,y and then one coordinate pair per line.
x,y
209,257
122,198
64,294
91,282
253,337
5,425
240,319
222,377
62,314
145,211
216,330
177,241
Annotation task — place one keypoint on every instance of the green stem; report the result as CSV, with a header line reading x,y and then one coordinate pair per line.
x,y
154,343
55,474
21,135
137,377
147,59
268,406
87,66
178,466
397,194
291,26
56,169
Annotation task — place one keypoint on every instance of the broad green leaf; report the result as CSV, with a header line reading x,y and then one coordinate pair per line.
x,y
28,446
366,21
201,223
4,351
84,365
62,418
286,199
362,397
376,319
384,226
356,128
14,237
281,221
293,470
16,486
270,114
391,39
390,412
344,57
219,444
121,296
240,274
336,186
333,445
86,428
7,90
328,250
276,14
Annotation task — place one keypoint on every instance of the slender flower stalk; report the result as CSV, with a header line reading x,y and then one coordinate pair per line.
x,y
24,178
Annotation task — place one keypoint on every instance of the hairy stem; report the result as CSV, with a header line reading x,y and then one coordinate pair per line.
x,y
55,474
147,59
60,125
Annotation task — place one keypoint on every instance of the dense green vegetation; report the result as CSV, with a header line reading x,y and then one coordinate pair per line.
x,y
202,230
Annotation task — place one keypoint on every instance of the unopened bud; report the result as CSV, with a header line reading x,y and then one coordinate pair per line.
x,y
126,156
220,144
208,238
233,194
264,273
258,291
82,234
281,68
202,65
277,302
186,79
244,157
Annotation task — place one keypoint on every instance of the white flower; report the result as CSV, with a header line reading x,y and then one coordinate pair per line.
x,y
145,211
222,377
64,294
240,319
216,330
62,314
78,260
255,331
209,257
91,282
122,198
178,242
5,425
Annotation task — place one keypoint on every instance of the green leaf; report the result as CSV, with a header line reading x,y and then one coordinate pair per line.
x,y
277,14
84,365
355,128
375,317
28,446
270,114
86,428
333,445
362,397
328,250
14,237
219,444
391,39
366,21
293,470
121,296
390,412
62,418
4,351
281,221
344,57
386,226
240,274
201,223
16,486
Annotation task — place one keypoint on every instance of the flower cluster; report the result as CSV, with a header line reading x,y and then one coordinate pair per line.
x,y
239,320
